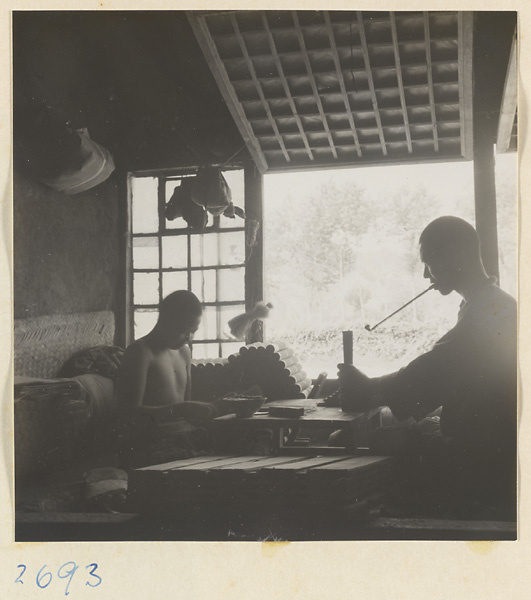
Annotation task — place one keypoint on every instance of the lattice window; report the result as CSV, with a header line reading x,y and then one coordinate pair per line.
x,y
168,256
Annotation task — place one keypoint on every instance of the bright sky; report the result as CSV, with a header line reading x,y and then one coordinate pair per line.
x,y
439,179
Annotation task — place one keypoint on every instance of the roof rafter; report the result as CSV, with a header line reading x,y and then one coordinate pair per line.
x,y
284,81
400,81
258,85
367,61
430,80
341,81
308,65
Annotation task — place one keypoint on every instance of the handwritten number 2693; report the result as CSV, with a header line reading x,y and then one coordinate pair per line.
x,y
65,571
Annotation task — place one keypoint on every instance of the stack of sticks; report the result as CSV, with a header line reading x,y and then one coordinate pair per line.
x,y
274,368
213,378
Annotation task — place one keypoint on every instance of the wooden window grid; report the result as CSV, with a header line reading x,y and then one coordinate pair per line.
x,y
167,230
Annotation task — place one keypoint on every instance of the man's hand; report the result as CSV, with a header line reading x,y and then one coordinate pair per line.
x,y
357,390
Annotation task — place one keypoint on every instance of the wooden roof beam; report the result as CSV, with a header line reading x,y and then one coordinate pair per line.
x,y
370,80
258,85
430,80
362,112
285,85
341,81
221,77
308,65
400,81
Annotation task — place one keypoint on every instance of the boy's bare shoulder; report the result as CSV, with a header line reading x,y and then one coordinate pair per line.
x,y
139,350
185,353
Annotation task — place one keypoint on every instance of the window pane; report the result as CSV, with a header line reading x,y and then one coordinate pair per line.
x,y
146,288
232,284
204,285
145,253
172,282
204,250
205,350
229,348
226,314
175,252
144,322
145,204
208,328
232,248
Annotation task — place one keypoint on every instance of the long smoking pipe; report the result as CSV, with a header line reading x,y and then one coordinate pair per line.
x,y
369,328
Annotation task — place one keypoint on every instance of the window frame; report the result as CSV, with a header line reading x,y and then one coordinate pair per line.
x,y
249,291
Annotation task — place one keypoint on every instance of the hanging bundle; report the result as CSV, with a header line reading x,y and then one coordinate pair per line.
x,y
181,205
239,326
211,191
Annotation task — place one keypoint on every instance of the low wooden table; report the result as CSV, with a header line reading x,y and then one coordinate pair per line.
x,y
292,497
314,417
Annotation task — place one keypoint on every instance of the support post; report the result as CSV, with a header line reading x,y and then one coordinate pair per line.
x,y
485,192
124,318
254,250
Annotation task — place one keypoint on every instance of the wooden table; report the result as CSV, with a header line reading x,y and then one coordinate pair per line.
x,y
314,417
293,497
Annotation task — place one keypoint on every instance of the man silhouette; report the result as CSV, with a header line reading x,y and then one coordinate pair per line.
x,y
469,374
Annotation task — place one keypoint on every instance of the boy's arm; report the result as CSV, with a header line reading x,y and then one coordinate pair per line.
x,y
187,355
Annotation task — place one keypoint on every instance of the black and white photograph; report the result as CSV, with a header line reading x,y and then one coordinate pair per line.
x,y
265,276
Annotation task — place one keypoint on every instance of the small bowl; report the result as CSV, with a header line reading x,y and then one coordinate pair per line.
x,y
244,407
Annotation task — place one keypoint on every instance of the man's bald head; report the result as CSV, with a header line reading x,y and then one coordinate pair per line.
x,y
451,252
450,234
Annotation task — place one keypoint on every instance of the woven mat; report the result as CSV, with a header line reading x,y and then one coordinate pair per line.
x,y
42,344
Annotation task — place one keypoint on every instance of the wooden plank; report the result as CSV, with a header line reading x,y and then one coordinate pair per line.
x,y
285,84
311,76
308,463
256,463
177,464
430,80
400,81
374,99
341,81
217,68
258,85
212,464
509,103
353,463
465,71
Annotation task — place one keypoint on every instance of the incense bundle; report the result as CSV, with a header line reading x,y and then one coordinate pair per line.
x,y
240,325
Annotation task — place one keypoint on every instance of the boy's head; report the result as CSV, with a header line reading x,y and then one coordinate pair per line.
x,y
179,317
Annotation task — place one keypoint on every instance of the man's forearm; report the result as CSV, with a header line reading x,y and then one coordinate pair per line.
x,y
364,398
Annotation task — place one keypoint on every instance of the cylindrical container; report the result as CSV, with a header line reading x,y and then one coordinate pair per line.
x,y
347,347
